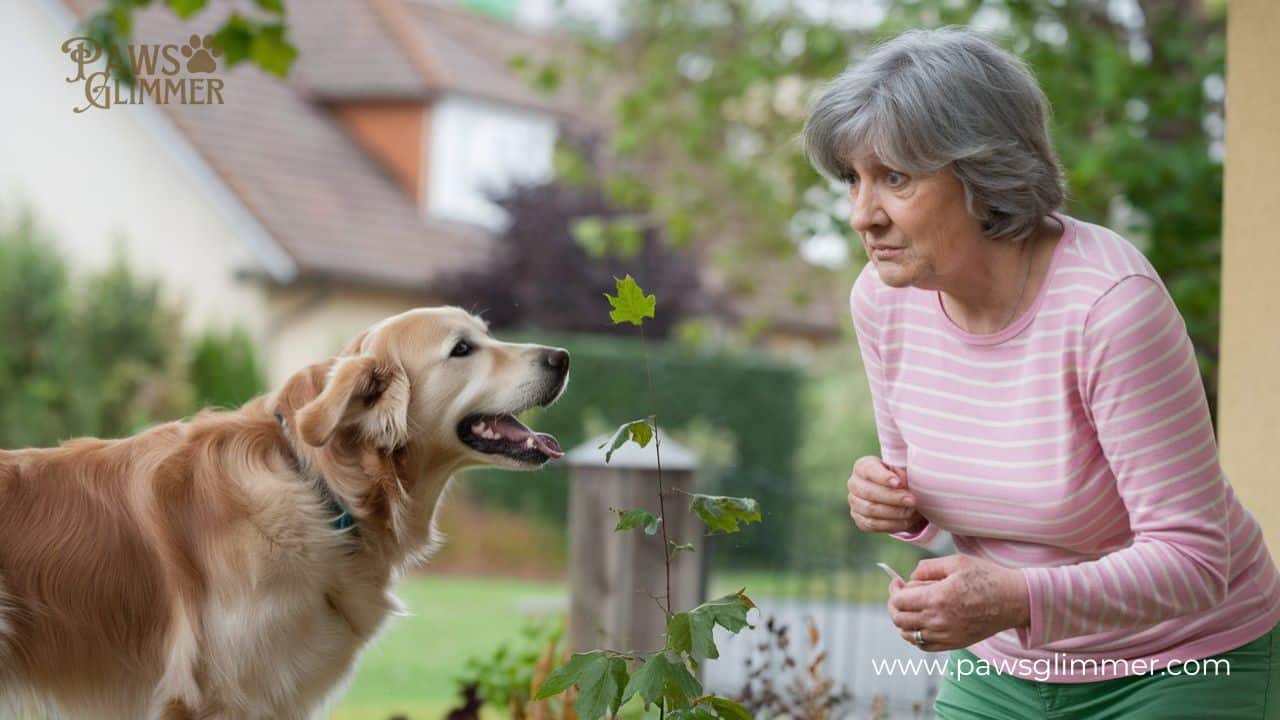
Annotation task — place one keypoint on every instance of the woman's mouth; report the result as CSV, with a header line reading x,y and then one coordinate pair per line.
x,y
886,253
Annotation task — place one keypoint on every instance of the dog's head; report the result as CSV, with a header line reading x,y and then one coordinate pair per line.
x,y
433,382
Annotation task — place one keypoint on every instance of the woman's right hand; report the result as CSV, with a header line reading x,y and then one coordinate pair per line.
x,y
879,500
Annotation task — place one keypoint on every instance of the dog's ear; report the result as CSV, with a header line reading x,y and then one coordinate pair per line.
x,y
356,346
359,393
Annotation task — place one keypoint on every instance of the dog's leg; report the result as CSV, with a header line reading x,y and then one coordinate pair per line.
x,y
178,695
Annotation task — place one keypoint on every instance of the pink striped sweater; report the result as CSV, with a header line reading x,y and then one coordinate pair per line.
x,y
1076,444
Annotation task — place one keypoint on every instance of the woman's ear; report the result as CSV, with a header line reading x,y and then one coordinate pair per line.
x,y
358,393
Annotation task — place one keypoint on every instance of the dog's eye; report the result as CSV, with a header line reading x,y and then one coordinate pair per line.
x,y
462,349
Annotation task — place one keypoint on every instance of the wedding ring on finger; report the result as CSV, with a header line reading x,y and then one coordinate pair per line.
x,y
919,638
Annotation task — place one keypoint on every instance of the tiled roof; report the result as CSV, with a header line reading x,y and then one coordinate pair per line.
x,y
470,54
349,50
276,145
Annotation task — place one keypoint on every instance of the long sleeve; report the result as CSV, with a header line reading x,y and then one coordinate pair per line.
x,y
893,450
1141,389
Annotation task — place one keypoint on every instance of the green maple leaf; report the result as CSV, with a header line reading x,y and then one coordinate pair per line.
x,y
692,633
663,678
727,709
632,519
729,612
600,688
723,514
641,431
630,304
568,675
600,679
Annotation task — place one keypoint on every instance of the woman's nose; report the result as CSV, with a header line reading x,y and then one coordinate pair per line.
x,y
864,209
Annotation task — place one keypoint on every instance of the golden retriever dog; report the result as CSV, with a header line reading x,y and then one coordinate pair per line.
x,y
235,565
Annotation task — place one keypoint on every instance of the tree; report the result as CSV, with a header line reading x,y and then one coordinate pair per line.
x,y
714,92
99,359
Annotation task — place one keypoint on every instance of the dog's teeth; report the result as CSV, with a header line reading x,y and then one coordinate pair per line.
x,y
528,442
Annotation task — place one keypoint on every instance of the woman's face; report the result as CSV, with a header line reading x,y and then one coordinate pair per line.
x,y
915,230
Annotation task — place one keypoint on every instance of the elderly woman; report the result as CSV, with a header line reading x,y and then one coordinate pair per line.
x,y
1035,394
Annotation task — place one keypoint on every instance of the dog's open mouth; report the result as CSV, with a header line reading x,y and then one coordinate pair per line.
x,y
505,435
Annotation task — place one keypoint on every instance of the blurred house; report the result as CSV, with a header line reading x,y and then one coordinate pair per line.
x,y
305,209
302,209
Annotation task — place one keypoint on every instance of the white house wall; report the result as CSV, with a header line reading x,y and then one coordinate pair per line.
x,y
477,147
103,175
311,323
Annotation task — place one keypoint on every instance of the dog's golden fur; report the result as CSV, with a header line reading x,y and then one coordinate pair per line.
x,y
193,570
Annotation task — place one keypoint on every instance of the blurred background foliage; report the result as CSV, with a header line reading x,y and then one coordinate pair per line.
x,y
741,414
713,93
103,354
255,34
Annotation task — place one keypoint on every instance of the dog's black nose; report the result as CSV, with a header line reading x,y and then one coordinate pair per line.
x,y
558,360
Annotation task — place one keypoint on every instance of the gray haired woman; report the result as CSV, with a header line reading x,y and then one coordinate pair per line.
x,y
1035,394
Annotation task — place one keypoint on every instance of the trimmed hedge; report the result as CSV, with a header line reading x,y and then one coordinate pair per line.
x,y
753,401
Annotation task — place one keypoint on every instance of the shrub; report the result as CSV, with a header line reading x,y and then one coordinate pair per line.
x,y
100,361
37,373
225,370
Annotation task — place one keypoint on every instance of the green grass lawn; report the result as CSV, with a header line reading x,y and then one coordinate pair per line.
x,y
410,669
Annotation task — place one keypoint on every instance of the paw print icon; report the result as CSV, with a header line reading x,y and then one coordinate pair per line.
x,y
200,54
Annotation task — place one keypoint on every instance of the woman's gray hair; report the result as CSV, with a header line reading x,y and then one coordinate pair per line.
x,y
931,98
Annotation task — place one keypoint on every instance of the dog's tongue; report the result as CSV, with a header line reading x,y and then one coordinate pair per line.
x,y
548,445
515,431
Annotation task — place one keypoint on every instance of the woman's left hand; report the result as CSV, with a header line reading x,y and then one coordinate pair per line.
x,y
957,600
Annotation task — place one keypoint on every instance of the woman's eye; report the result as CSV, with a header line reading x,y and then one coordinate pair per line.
x,y
462,349
896,179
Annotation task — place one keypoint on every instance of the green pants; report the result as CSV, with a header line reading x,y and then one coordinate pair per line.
x,y
1252,690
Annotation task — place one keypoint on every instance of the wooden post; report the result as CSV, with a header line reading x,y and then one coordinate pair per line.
x,y
616,580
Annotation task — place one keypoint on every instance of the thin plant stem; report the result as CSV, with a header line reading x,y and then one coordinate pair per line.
x,y
657,447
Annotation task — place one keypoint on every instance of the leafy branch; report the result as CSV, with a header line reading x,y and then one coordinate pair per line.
x,y
260,40
604,678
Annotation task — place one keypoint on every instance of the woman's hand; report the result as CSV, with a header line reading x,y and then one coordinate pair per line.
x,y
879,500
956,601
